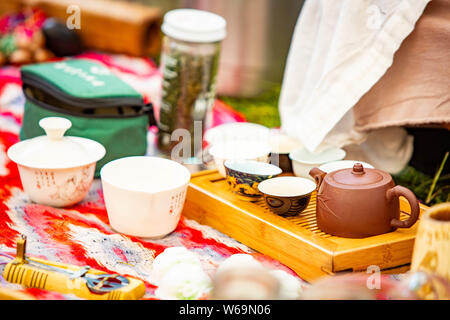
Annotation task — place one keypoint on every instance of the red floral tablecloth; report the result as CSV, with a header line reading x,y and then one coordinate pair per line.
x,y
81,234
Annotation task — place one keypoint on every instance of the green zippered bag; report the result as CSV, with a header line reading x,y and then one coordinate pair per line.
x,y
100,106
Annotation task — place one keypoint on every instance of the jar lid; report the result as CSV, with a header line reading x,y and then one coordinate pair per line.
x,y
54,150
194,25
359,176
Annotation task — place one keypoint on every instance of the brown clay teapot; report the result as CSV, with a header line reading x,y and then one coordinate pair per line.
x,y
360,202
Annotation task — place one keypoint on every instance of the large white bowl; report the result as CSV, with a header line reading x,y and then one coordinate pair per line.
x,y
303,160
243,150
144,196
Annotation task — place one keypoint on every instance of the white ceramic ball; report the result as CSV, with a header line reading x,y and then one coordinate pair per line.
x,y
239,260
184,282
290,286
170,258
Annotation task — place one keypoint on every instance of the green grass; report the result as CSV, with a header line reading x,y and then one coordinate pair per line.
x,y
430,190
263,109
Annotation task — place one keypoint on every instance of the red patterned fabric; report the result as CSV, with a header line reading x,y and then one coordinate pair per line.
x,y
81,234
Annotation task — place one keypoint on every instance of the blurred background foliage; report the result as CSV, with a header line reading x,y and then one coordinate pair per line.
x,y
262,109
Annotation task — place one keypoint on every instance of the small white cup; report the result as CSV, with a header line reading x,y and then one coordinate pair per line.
x,y
303,160
342,164
144,196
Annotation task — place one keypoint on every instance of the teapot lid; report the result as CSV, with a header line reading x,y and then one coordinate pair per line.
x,y
359,176
54,150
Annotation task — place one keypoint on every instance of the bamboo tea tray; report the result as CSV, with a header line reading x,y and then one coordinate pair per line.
x,y
295,241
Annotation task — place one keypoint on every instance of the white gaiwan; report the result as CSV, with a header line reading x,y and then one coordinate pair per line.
x,y
56,170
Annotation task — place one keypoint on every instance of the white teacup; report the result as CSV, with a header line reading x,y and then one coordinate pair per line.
x,y
144,196
342,164
303,160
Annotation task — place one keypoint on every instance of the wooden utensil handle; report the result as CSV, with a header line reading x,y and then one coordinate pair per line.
x,y
398,191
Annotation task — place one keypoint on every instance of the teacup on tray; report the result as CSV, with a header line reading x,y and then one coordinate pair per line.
x,y
287,196
244,176
303,160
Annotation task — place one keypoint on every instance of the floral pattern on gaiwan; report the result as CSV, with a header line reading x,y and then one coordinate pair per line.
x,y
75,186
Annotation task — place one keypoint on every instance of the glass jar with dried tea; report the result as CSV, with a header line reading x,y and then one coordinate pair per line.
x,y
189,62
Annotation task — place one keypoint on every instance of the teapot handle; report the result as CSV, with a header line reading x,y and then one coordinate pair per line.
x,y
318,176
398,191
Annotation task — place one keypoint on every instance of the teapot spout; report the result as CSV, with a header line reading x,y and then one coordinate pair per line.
x,y
318,176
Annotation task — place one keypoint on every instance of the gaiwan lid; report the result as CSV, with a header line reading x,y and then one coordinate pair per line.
x,y
359,176
54,150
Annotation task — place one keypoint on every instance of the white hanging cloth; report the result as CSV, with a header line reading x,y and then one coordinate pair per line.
x,y
339,50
